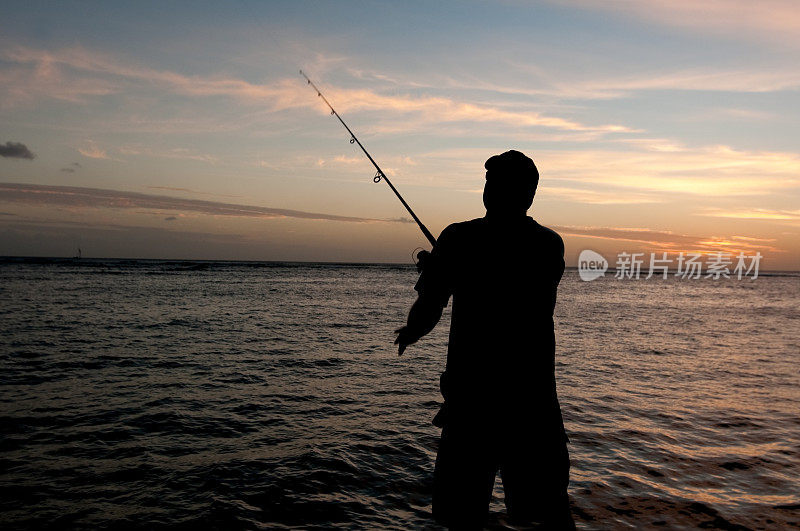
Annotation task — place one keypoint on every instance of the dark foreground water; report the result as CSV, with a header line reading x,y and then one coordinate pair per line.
x,y
244,395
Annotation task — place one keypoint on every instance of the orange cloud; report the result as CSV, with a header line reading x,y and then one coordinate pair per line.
x,y
92,151
757,213
651,171
595,197
670,242
280,95
772,20
711,171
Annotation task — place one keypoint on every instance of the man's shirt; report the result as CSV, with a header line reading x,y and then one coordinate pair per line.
x,y
502,275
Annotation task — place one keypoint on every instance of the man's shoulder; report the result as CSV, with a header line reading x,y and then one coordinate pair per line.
x,y
550,236
547,232
454,230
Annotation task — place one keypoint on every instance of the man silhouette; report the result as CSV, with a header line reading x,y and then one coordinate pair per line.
x,y
501,411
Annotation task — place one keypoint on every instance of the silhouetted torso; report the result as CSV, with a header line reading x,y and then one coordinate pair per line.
x,y
502,274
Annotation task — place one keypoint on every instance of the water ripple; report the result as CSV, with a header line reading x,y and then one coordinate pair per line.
x,y
177,394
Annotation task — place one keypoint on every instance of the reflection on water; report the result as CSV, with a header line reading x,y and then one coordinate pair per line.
x,y
149,393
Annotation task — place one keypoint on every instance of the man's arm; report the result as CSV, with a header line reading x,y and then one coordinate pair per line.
x,y
434,288
422,318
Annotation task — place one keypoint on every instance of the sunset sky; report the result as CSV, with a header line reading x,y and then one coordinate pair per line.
x,y
184,130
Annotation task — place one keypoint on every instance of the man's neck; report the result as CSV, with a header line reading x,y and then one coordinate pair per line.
x,y
506,216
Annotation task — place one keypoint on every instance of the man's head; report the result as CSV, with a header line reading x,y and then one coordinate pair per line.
x,y
511,181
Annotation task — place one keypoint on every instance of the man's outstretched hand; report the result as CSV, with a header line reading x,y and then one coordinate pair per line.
x,y
422,318
404,339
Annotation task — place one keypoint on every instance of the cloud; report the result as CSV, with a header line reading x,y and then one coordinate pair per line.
x,y
22,85
173,153
764,214
173,189
436,109
93,152
75,73
72,167
632,171
348,160
750,80
170,218
16,150
751,239
632,234
660,166
577,86
671,242
609,196
189,190
773,20
401,219
276,96
73,196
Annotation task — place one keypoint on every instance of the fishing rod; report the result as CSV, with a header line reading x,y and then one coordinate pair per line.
x,y
379,175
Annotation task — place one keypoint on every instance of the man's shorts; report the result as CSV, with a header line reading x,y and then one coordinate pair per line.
x,y
534,470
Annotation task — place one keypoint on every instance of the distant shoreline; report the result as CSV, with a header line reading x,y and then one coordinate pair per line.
x,y
98,261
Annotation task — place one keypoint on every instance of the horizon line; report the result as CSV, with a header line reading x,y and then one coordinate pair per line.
x,y
267,261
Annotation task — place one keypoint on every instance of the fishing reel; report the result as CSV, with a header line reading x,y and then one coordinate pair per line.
x,y
420,256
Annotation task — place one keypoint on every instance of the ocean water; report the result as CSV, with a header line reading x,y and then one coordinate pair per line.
x,y
154,394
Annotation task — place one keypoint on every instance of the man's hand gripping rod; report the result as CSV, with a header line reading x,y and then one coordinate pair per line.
x,y
379,172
